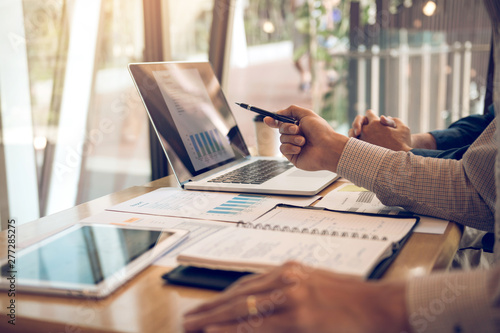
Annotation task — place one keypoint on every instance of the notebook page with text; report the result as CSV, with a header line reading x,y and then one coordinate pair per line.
x,y
255,250
337,224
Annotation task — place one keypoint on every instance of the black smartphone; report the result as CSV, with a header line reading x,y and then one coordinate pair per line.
x,y
202,277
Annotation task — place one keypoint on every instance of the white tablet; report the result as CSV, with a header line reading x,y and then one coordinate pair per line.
x,y
86,260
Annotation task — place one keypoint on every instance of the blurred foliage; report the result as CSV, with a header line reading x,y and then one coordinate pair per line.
x,y
277,12
324,26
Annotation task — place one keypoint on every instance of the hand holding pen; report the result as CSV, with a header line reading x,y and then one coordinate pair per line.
x,y
312,146
265,113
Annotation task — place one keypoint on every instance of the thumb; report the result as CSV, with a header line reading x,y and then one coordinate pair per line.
x,y
398,122
296,112
387,121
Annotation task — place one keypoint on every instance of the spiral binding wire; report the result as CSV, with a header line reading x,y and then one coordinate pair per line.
x,y
314,231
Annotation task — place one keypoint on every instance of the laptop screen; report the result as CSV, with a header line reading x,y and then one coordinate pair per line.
x,y
190,115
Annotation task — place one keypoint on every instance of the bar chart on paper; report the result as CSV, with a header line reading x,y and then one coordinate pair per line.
x,y
218,206
238,204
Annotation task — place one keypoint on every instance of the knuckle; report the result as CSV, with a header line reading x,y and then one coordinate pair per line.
x,y
290,269
292,264
297,294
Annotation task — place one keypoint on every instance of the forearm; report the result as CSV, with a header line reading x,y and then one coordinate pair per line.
x,y
423,141
436,187
428,186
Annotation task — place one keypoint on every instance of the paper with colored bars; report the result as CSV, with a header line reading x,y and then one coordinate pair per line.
x,y
220,206
237,204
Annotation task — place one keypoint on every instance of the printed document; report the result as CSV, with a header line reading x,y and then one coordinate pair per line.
x,y
219,206
352,198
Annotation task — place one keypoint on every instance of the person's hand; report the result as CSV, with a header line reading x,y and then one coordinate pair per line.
x,y
297,298
359,121
386,132
313,144
419,140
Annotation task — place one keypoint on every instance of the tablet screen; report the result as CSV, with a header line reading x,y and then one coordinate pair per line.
x,y
84,254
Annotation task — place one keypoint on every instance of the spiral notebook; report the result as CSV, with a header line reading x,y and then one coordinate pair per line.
x,y
354,244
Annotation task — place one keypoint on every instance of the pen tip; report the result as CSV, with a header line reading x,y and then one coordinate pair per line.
x,y
237,103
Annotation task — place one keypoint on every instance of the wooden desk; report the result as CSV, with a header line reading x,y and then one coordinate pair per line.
x,y
146,304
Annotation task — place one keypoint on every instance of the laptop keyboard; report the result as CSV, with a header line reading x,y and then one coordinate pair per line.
x,y
254,173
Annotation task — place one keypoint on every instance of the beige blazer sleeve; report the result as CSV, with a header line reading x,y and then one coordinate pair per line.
x,y
458,190
455,302
462,191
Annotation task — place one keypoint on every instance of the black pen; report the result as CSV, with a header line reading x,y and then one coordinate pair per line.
x,y
273,115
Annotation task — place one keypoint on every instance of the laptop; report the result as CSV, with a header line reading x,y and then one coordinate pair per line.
x,y
201,139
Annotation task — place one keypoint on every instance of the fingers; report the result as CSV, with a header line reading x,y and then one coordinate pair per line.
x,y
398,122
371,116
233,309
281,322
297,140
387,121
246,280
272,296
357,124
248,286
286,128
289,150
267,301
243,282
271,122
291,141
260,283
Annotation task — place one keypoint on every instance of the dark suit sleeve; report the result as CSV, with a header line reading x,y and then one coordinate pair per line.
x,y
463,132
454,153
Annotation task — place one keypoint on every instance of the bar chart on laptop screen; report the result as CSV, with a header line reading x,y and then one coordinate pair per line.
x,y
207,143
206,147
195,117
